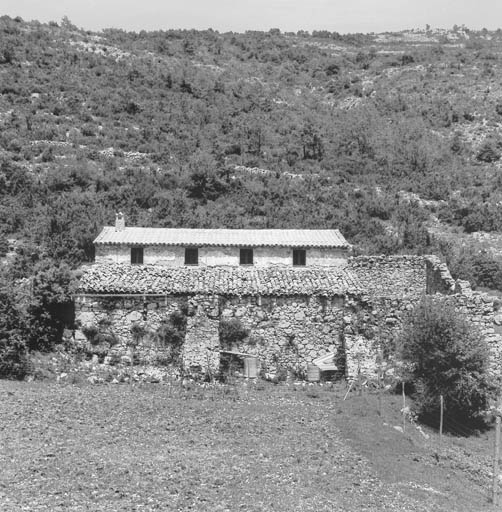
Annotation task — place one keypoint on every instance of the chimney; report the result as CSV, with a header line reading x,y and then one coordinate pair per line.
x,y
119,222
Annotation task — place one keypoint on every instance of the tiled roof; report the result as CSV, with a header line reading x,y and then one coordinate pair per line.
x,y
223,237
155,279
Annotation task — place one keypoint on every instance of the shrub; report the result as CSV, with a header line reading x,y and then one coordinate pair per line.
x,y
448,357
14,362
91,333
232,331
50,302
13,354
488,152
178,320
170,335
4,245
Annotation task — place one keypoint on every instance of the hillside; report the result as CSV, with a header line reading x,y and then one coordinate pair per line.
x,y
262,129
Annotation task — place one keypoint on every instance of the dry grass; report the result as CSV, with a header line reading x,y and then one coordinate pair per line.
x,y
115,447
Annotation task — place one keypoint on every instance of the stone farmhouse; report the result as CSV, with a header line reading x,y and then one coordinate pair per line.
x,y
299,293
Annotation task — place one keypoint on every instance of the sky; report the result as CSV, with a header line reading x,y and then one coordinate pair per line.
x,y
342,16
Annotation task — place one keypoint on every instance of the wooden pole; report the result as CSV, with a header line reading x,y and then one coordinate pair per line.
x,y
496,460
404,406
441,404
348,390
380,385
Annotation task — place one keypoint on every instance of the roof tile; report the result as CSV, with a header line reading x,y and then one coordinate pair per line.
x,y
223,237
155,279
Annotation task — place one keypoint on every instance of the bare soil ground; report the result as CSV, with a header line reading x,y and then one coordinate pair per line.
x,y
252,448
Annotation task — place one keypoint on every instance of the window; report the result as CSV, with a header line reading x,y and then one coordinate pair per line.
x,y
246,257
137,255
299,257
191,256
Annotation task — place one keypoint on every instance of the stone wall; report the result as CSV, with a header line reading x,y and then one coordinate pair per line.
x,y
373,326
115,316
288,332
215,256
390,276
439,279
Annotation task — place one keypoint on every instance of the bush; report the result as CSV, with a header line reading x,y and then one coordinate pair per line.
x,y
232,331
168,335
50,305
14,362
488,152
4,245
448,357
13,354
171,335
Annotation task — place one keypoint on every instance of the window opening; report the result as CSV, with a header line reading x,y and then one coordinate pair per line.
x,y
246,257
191,256
299,257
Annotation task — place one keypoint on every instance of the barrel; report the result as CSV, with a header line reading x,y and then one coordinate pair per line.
x,y
313,373
250,367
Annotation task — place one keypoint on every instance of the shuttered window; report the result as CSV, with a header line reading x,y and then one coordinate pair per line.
x,y
246,257
299,257
137,255
191,256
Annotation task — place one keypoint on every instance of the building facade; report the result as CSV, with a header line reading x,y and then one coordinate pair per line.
x,y
221,247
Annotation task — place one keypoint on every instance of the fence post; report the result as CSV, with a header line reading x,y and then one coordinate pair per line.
x,y
441,404
404,406
496,460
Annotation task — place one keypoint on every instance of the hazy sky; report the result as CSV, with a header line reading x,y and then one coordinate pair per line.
x,y
239,15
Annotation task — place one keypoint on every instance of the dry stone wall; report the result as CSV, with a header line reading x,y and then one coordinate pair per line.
x,y
285,332
390,276
116,315
288,332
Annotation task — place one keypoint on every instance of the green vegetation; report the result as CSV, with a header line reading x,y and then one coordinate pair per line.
x,y
33,315
232,331
446,356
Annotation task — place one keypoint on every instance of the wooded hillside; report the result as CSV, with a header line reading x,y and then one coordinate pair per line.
x,y
371,134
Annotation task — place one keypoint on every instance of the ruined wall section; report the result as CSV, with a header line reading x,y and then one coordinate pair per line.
x,y
439,279
392,287
390,276
374,325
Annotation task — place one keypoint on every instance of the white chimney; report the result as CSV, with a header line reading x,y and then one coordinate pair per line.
x,y
119,222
